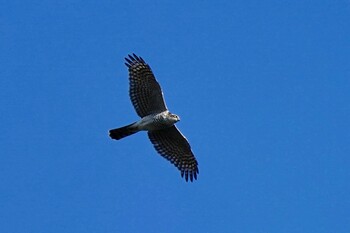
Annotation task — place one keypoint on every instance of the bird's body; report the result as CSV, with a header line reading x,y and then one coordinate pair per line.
x,y
147,98
156,121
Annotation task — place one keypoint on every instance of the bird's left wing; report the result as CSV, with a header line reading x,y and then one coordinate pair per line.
x,y
172,145
145,92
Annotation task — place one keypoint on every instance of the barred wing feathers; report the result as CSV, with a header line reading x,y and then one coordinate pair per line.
x,y
145,92
173,146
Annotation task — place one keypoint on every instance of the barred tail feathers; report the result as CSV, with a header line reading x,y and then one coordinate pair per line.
x,y
122,132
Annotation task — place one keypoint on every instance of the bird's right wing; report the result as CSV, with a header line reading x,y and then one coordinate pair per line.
x,y
172,145
145,92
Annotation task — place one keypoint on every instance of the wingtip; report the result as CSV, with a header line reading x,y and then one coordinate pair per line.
x,y
132,58
189,175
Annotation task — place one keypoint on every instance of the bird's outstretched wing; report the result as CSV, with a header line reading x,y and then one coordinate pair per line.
x,y
145,92
173,146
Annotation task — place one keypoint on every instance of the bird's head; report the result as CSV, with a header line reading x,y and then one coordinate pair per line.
x,y
174,117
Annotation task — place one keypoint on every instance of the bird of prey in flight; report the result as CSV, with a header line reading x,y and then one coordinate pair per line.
x,y
147,97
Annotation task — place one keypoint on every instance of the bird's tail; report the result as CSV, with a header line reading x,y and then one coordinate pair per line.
x,y
123,132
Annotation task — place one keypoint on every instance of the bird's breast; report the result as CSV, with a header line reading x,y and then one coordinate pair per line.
x,y
154,122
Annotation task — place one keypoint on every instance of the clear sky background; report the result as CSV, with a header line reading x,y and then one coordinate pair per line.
x,y
262,89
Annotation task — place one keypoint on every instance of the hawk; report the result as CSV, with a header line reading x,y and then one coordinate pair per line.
x,y
147,98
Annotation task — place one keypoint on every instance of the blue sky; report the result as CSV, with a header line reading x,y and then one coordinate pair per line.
x,y
262,89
